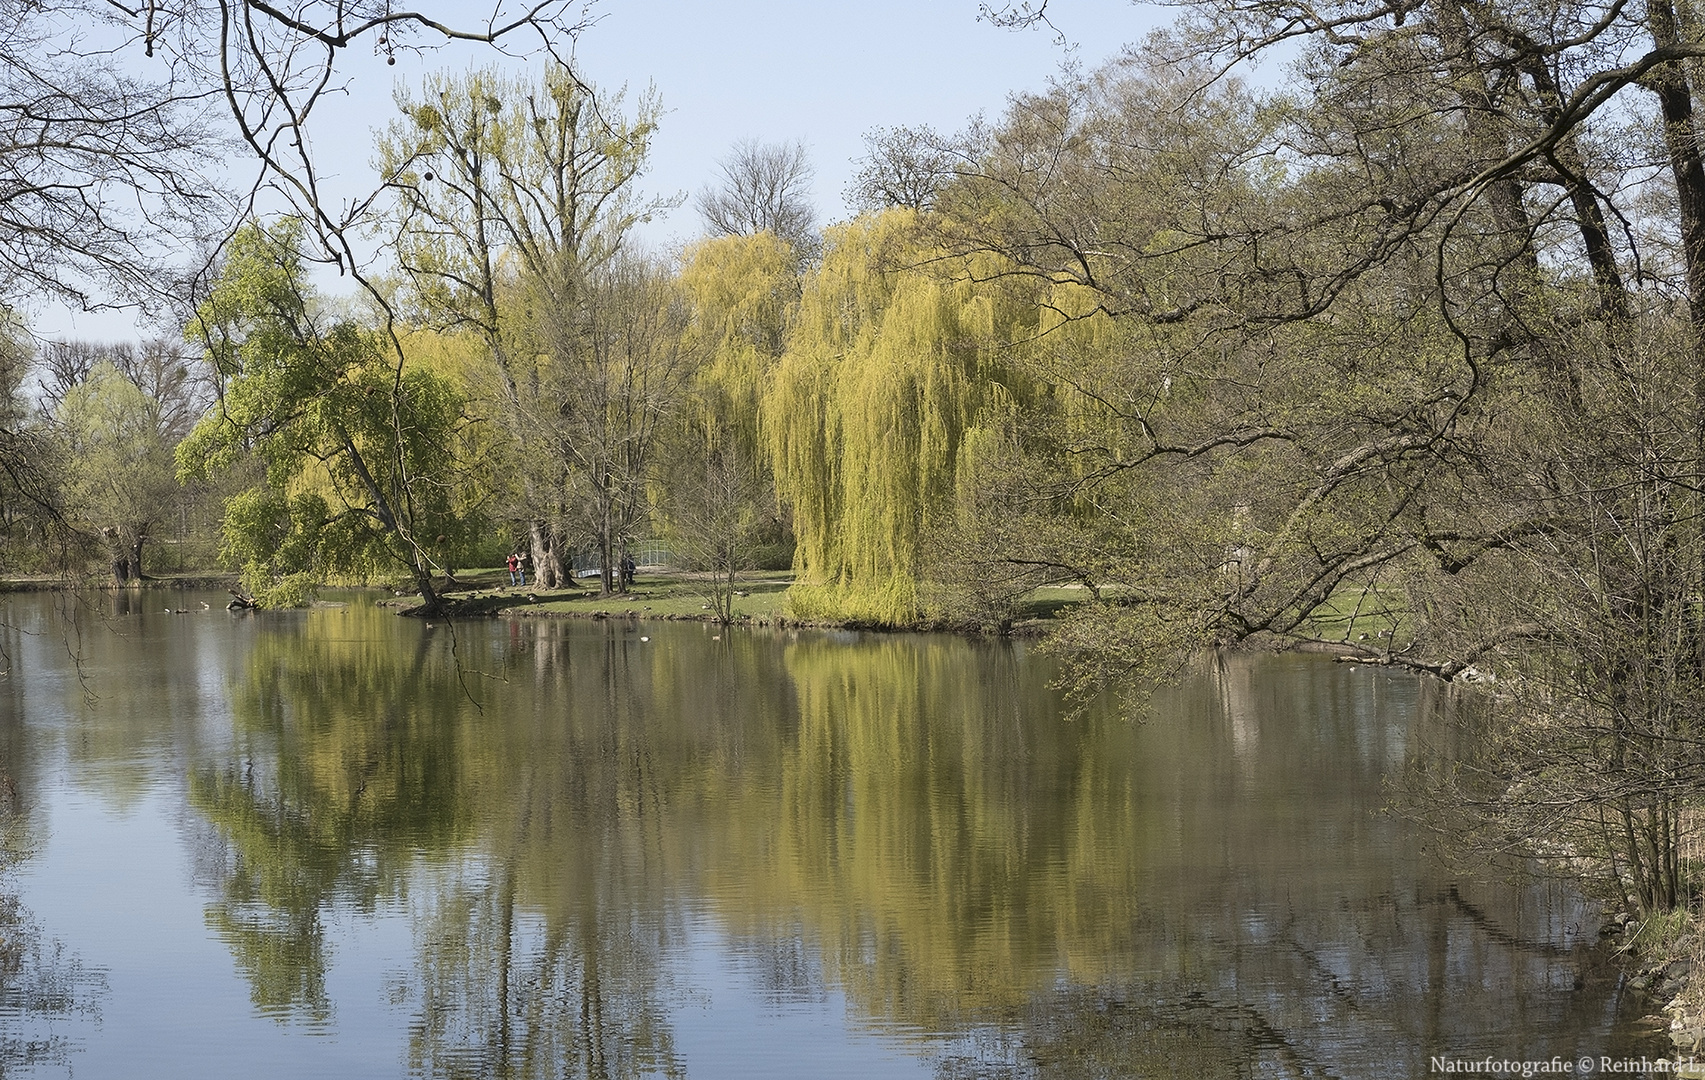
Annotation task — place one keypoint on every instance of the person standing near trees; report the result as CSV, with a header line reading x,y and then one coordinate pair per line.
x,y
510,564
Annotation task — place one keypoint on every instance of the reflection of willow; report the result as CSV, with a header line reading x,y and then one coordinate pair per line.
x,y
949,860
564,992
960,854
907,818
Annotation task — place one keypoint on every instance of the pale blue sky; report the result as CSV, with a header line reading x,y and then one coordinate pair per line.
x,y
827,73
821,73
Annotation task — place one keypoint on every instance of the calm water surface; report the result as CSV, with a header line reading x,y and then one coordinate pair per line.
x,y
342,843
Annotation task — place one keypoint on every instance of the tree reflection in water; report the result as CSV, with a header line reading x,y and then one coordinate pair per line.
x,y
908,821
367,774
44,988
527,994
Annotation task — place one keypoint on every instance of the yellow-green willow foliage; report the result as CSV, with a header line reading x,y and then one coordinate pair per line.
x,y
486,455
890,377
744,293
936,879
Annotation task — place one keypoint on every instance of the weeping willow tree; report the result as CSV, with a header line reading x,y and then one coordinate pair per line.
x,y
893,377
717,501
745,295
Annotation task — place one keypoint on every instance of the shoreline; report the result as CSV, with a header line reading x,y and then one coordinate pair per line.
x,y
1662,978
220,582
1665,984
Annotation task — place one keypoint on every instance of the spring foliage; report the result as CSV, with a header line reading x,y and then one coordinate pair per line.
x,y
890,381
359,453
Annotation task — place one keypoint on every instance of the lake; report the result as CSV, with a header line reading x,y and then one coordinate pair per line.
x,y
341,843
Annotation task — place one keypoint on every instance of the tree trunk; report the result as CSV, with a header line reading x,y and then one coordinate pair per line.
x,y
1675,100
606,560
546,543
725,572
419,566
1681,139
124,554
1589,215
1488,139
430,602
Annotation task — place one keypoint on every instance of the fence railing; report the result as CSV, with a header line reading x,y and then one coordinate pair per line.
x,y
646,554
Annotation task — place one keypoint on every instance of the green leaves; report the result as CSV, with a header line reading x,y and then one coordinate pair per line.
x,y
358,450
116,473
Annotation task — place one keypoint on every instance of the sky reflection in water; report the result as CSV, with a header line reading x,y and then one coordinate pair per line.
x,y
345,843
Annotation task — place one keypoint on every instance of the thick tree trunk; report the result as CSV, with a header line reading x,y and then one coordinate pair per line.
x,y
1488,139
606,562
431,603
1675,101
546,544
1589,215
606,527
1681,139
723,582
124,554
